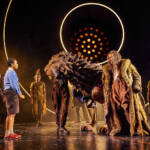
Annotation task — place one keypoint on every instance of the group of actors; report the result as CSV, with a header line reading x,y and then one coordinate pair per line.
x,y
121,87
124,104
11,94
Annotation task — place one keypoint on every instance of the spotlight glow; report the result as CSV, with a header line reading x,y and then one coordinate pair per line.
x,y
82,56
89,52
91,34
93,50
81,36
76,48
78,40
84,42
93,42
89,4
82,46
88,46
91,58
84,50
99,39
91,28
95,36
86,34
89,40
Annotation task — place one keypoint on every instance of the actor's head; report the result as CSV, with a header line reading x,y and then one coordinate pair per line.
x,y
37,76
113,57
12,62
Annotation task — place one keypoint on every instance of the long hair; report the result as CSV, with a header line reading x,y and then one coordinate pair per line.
x,y
116,57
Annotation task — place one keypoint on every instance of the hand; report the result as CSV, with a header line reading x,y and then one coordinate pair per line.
x,y
22,96
4,99
147,104
136,90
50,77
31,101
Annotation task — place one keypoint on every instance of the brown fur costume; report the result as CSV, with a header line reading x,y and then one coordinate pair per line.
x,y
115,118
64,67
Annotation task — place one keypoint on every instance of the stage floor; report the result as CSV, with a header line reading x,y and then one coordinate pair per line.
x,y
45,138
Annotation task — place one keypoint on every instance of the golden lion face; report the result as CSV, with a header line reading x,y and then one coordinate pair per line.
x,y
55,64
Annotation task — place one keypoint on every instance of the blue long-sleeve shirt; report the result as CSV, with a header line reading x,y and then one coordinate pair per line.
x,y
11,81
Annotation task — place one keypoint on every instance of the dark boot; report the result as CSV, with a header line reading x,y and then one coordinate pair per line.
x,y
58,119
37,124
62,128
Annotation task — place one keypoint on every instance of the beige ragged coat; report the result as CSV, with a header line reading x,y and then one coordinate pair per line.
x,y
138,118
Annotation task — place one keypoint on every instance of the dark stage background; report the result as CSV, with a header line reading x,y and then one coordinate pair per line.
x,y
32,36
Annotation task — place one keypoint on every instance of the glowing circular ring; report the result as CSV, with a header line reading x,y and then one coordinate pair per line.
x,y
97,4
5,49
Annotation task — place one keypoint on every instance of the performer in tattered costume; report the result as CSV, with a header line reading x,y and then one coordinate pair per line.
x,y
38,98
60,98
83,75
124,103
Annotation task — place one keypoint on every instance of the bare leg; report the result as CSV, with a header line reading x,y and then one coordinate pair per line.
x,y
7,123
7,126
11,124
78,114
87,112
92,114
